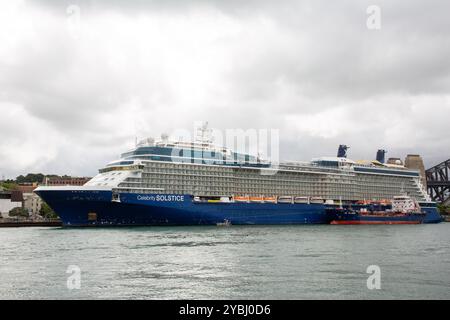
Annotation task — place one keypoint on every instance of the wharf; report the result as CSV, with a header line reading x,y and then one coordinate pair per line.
x,y
29,223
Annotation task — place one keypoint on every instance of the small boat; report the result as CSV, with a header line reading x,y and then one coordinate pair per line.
x,y
225,223
284,199
316,200
256,199
241,199
270,199
301,199
225,199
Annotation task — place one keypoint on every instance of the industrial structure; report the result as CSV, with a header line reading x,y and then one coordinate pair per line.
x,y
438,182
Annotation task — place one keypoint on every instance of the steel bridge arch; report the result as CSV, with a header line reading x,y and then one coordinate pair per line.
x,y
438,183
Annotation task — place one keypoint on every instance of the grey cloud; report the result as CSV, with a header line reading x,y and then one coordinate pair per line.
x,y
242,64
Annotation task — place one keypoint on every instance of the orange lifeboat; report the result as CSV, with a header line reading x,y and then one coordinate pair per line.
x,y
241,199
270,199
256,199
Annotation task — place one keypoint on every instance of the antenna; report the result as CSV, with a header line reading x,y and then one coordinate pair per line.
x,y
203,133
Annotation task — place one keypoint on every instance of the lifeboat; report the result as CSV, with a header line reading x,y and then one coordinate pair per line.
x,y
301,200
270,199
284,199
225,199
316,200
241,199
256,199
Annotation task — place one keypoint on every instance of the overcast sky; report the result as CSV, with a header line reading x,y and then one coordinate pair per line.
x,y
79,80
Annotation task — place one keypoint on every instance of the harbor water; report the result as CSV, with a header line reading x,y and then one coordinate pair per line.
x,y
236,262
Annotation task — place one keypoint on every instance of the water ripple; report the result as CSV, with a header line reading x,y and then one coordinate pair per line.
x,y
286,262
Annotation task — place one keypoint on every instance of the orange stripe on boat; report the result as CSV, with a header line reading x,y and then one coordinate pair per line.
x,y
356,222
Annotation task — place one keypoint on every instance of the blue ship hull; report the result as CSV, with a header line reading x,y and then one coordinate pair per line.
x,y
432,213
95,208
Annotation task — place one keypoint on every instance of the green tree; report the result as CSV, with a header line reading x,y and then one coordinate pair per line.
x,y
443,209
8,185
18,212
47,212
30,177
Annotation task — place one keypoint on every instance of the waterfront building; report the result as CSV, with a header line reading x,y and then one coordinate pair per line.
x,y
26,187
8,201
65,181
32,203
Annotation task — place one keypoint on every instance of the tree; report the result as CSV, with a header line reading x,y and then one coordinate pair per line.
x,y
31,177
47,212
8,185
445,210
18,212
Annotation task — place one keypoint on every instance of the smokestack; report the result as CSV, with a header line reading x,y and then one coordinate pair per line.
x,y
380,155
342,151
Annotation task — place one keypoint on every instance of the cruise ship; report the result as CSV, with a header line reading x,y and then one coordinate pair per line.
x,y
168,182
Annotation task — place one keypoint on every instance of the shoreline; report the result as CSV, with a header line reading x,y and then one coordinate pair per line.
x,y
18,224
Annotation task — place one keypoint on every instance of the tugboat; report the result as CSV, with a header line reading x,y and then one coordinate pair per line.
x,y
404,210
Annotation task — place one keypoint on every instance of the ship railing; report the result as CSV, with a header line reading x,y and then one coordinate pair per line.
x,y
135,189
422,190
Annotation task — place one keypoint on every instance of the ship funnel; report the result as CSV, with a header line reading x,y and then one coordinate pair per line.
x,y
380,155
342,151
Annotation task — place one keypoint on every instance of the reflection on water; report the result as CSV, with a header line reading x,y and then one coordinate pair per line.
x,y
289,262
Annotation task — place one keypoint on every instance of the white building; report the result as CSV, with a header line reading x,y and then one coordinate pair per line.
x,y
32,203
7,203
